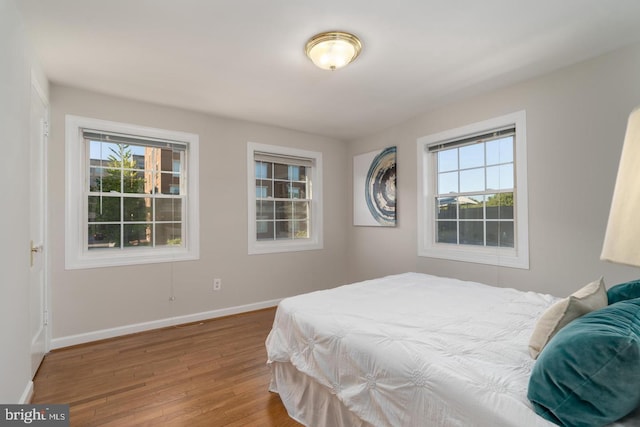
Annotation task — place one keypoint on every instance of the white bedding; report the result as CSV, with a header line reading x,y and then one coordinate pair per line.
x,y
408,350
415,350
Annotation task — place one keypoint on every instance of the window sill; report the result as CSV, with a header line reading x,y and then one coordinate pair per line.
x,y
97,258
269,247
502,257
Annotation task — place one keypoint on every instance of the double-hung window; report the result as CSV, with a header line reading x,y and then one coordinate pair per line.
x,y
472,200
131,194
285,199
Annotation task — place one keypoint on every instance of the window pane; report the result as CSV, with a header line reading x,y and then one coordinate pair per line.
x,y
103,151
137,209
500,151
472,180
299,173
95,178
300,210
472,233
294,173
133,181
264,230
264,188
169,209
500,206
103,236
137,157
122,156
112,180
177,164
298,190
300,229
151,182
448,160
169,234
471,207
265,209
472,156
280,171
263,170
448,183
168,160
500,177
146,158
281,189
103,209
500,233
446,208
95,152
168,183
284,230
137,234
283,210
447,232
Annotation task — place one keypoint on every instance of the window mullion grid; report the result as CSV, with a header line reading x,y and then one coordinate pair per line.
x,y
114,192
291,194
502,223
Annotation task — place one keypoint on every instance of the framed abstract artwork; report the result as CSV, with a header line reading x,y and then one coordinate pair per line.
x,y
374,188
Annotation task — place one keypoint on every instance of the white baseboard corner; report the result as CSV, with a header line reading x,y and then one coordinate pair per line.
x,y
156,324
27,394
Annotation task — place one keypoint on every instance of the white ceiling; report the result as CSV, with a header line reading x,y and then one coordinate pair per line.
x,y
244,58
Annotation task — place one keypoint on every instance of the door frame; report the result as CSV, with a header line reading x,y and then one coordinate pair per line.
x,y
35,84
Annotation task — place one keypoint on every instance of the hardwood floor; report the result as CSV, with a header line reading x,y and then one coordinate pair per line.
x,y
211,373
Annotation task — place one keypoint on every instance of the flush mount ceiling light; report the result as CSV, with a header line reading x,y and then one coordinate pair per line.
x,y
333,49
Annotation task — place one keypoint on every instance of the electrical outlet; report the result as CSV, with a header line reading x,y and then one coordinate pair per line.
x,y
217,284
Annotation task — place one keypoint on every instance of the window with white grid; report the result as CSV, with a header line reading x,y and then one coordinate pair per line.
x,y
131,194
472,203
284,196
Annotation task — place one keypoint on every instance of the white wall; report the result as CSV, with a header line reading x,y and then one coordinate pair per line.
x,y
16,66
576,120
85,301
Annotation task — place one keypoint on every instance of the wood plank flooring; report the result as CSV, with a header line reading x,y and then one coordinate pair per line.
x,y
211,373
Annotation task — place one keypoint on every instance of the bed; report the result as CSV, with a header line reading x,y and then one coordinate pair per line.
x,y
408,350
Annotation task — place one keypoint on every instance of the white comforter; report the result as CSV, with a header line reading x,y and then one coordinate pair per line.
x,y
416,350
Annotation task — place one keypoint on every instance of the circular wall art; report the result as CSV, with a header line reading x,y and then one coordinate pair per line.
x,y
380,187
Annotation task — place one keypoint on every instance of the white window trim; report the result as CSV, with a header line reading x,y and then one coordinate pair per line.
x,y
77,256
315,239
517,257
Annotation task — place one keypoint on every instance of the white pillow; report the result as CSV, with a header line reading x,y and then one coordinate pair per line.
x,y
589,298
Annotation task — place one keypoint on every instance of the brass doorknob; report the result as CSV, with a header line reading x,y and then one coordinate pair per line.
x,y
34,249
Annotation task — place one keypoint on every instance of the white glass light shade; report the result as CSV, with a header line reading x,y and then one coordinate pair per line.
x,y
333,50
622,240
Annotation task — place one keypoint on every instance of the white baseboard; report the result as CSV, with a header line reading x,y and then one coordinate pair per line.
x,y
27,394
156,324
